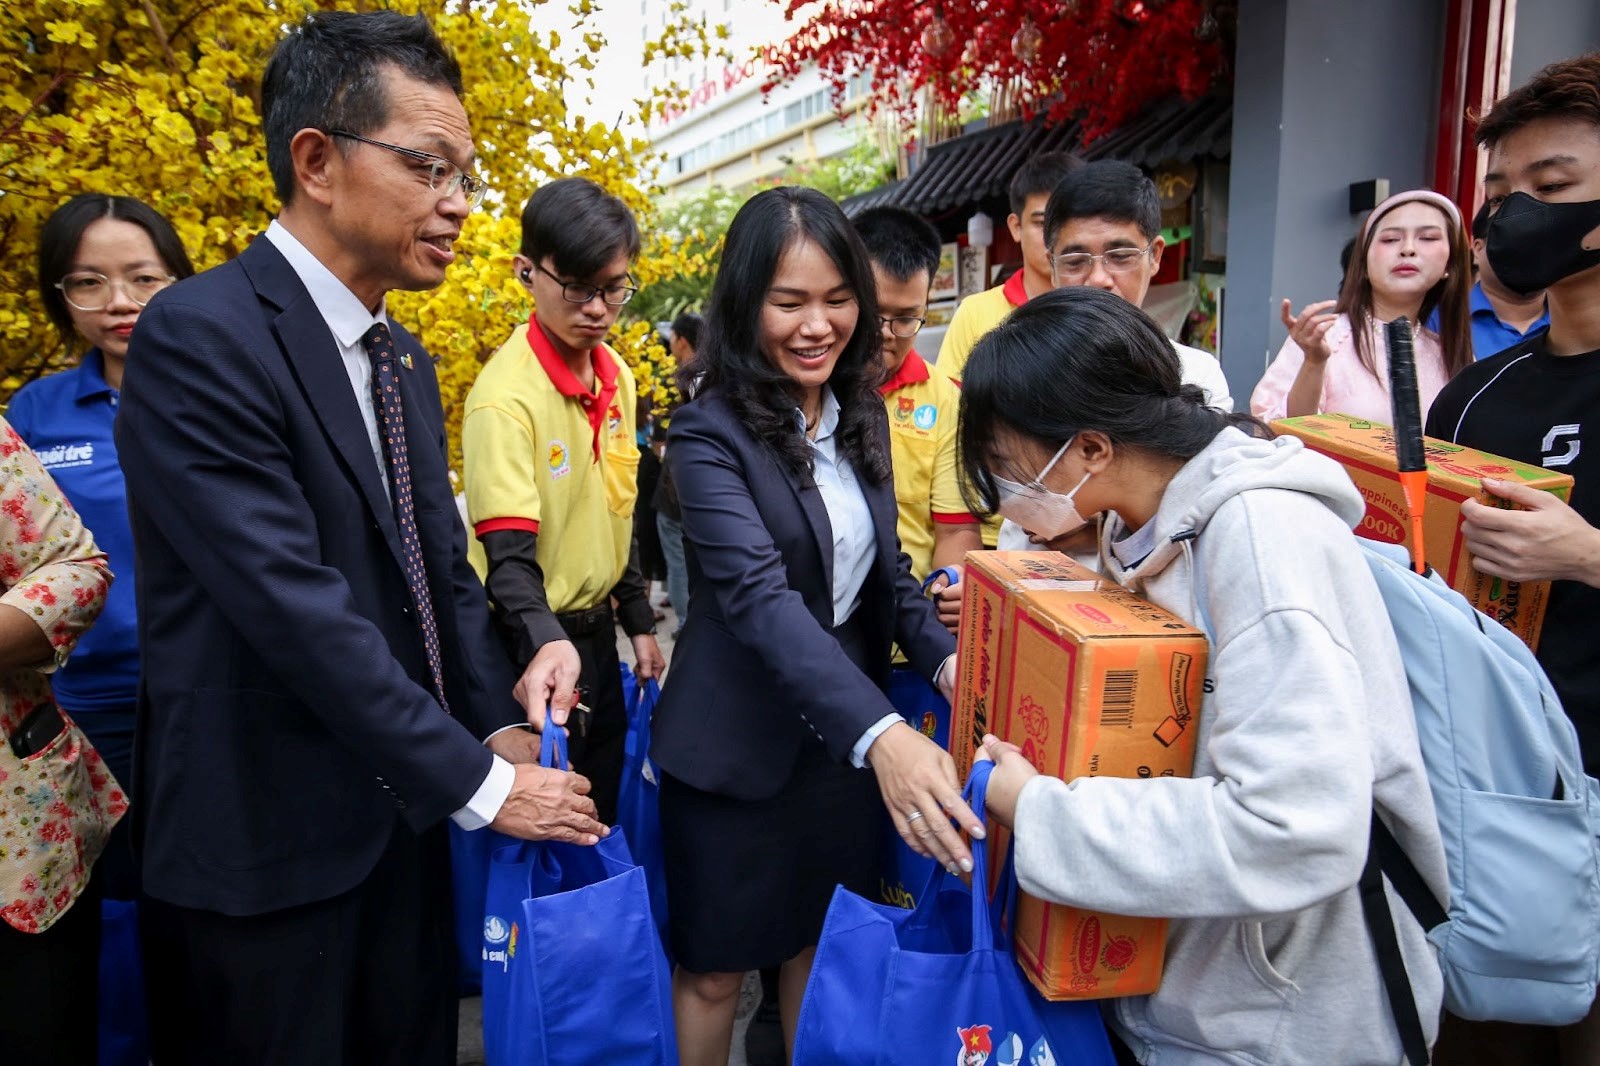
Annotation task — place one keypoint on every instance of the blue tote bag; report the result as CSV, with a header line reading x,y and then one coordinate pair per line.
x,y
573,969
919,703
897,987
638,801
124,1039
469,882
470,854
630,686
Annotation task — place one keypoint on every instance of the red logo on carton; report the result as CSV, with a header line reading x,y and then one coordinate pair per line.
x,y
1034,719
1037,727
1092,613
1385,519
1088,943
1120,952
1097,616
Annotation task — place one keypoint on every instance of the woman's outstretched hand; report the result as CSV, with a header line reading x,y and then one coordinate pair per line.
x,y
919,786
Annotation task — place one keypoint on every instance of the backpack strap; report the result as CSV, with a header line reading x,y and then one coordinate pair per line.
x,y
1403,875
1386,945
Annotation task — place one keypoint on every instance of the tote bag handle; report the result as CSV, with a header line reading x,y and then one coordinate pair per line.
x,y
983,923
553,745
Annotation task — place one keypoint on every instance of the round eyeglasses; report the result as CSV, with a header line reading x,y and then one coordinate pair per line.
x,y
89,290
903,326
444,177
577,293
1075,266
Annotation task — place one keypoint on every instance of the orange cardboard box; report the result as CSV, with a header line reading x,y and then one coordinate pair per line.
x,y
1366,449
1089,681
989,581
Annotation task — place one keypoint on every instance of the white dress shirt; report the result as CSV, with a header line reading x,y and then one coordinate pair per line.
x,y
854,541
348,320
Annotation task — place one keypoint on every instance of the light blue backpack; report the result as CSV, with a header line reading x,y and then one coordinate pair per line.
x,y
1520,940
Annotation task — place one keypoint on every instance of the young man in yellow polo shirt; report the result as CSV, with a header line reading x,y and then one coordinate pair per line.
x,y
935,527
551,467
1029,192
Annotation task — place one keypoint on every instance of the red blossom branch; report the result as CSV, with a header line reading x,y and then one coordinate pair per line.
x,y
1098,61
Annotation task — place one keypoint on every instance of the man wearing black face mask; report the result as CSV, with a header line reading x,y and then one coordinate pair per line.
x,y
1539,402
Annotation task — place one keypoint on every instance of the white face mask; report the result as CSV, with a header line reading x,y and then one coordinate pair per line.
x,y
1045,514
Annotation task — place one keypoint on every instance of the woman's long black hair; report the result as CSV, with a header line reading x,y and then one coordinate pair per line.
x,y
730,360
1075,359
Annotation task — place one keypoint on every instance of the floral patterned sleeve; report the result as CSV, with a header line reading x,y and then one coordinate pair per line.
x,y
50,568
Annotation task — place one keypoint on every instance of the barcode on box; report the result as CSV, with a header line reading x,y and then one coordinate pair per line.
x,y
1117,698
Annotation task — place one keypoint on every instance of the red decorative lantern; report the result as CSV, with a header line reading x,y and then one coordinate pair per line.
x,y
1026,41
937,36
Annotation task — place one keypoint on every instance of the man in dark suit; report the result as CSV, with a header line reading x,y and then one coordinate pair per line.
x,y
320,688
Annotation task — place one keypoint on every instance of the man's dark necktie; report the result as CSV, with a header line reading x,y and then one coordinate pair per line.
x,y
392,427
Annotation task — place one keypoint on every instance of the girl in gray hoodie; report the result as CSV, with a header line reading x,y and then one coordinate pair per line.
x,y
1075,407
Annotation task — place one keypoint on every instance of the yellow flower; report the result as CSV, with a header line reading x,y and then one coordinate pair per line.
x,y
177,127
64,32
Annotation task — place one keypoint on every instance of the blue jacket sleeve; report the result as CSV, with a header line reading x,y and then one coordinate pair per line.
x,y
202,437
489,678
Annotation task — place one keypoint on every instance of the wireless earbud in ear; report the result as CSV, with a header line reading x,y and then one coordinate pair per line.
x,y
527,275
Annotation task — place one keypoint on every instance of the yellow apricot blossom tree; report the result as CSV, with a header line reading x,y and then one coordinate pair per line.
x,y
158,99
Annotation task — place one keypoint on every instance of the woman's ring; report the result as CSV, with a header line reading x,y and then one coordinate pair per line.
x,y
913,816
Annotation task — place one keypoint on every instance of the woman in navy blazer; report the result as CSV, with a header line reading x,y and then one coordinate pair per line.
x,y
779,749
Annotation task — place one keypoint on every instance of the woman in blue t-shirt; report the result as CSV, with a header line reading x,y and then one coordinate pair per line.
x,y
101,259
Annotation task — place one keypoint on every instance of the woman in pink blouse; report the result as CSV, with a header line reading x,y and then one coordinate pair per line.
x,y
1411,258
57,801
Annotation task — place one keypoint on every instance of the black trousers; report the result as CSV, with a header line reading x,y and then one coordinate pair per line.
x,y
598,754
368,977
49,987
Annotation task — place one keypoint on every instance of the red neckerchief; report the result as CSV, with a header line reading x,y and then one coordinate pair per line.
x,y
1015,289
913,370
596,405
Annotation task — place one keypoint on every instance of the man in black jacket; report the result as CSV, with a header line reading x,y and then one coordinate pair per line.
x,y
1539,402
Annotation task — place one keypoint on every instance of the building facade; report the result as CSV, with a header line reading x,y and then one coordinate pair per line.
x,y
728,132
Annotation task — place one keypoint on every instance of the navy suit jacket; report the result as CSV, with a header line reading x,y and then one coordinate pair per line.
x,y
285,713
757,671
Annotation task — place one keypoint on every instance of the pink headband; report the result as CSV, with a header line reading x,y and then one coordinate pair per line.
x,y
1425,196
